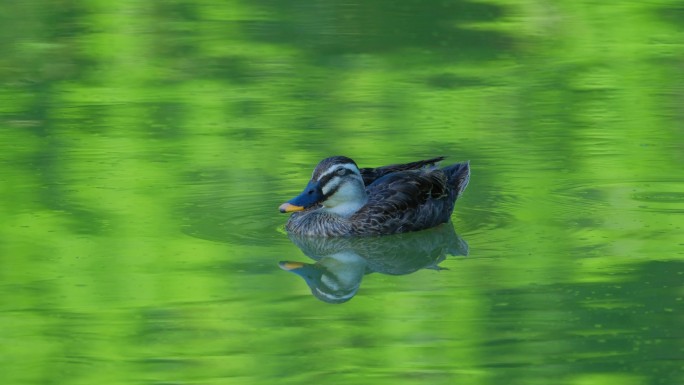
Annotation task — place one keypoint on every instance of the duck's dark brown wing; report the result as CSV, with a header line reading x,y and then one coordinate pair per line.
x,y
370,175
405,201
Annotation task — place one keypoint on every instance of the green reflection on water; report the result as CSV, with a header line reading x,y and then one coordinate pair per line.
x,y
146,148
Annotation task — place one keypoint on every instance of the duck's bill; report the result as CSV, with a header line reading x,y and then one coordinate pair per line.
x,y
288,207
311,195
289,266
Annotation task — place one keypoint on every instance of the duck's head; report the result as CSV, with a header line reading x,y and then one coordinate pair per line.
x,y
336,184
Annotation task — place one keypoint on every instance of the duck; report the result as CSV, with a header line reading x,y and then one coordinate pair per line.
x,y
342,199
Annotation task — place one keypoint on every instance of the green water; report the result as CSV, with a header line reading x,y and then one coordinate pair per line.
x,y
146,146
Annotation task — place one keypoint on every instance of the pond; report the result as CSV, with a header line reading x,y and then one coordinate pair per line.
x,y
146,149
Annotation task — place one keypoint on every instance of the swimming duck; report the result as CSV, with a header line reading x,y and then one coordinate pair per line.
x,y
342,199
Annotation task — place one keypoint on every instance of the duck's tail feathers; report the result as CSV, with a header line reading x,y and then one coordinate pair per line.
x,y
459,176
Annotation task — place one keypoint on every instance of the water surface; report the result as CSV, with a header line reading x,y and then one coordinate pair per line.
x,y
146,148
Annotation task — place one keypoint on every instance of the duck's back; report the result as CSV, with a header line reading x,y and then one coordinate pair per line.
x,y
410,200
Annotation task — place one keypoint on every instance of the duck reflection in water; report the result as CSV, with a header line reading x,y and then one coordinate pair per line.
x,y
341,263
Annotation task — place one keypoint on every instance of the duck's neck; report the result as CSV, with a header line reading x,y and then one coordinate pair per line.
x,y
346,209
347,200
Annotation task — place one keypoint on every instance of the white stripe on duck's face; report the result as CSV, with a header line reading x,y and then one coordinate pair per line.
x,y
339,169
343,186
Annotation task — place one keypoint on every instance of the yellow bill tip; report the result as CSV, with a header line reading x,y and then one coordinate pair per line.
x,y
287,265
288,208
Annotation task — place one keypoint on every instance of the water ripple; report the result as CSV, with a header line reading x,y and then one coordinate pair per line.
x,y
652,196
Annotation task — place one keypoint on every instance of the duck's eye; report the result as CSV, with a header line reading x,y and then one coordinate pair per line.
x,y
341,172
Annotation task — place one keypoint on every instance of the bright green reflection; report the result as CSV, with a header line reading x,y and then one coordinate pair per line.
x,y
146,148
